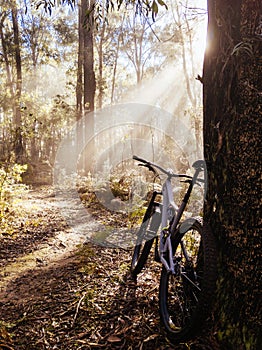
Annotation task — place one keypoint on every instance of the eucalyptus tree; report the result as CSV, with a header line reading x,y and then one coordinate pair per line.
x,y
107,44
232,146
32,43
7,91
10,28
86,83
139,41
185,21
39,51
99,40
48,44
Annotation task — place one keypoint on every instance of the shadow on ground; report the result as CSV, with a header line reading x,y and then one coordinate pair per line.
x,y
85,301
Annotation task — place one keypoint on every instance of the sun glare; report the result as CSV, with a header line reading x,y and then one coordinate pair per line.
x,y
201,33
201,41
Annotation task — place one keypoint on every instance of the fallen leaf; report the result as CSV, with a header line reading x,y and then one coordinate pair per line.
x,y
113,339
151,337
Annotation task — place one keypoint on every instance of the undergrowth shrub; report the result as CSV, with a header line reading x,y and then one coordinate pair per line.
x,y
11,190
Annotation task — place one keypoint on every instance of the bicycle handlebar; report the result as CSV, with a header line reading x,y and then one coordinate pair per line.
x,y
198,165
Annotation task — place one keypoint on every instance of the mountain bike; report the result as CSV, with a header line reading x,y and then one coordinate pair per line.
x,y
186,249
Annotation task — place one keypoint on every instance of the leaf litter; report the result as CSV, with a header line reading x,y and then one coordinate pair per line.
x,y
76,295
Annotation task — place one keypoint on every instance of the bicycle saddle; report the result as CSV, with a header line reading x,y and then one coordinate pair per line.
x,y
199,164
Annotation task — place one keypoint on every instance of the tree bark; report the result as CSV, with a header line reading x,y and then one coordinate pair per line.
x,y
86,82
5,55
232,117
18,139
100,64
114,71
89,74
79,82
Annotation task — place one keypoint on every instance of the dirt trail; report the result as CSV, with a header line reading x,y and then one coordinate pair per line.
x,y
60,244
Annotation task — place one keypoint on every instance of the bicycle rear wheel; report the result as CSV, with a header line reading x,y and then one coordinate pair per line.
x,y
145,237
185,297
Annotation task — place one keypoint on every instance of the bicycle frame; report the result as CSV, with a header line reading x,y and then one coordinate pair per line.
x,y
165,237
185,250
169,224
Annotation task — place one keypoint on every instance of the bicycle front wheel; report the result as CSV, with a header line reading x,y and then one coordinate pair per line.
x,y
145,237
185,297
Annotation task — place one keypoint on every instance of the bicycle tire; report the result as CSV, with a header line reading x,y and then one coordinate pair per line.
x,y
185,299
145,237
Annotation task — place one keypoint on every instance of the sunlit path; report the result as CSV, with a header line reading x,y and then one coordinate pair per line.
x,y
61,245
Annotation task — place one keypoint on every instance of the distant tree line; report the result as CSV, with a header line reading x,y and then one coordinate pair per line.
x,y
57,63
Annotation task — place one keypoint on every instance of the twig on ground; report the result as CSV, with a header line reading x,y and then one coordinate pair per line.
x,y
77,309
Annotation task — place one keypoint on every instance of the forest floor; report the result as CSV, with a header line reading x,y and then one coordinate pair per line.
x,y
59,290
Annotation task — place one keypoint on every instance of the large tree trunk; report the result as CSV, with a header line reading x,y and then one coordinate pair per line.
x,y
232,117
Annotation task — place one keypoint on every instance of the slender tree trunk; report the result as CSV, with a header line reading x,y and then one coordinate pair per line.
x,y
100,68
114,71
89,74
7,147
79,83
232,146
33,151
86,83
136,54
5,56
138,49
18,141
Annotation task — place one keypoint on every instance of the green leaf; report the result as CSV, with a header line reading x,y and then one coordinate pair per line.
x,y
154,10
162,3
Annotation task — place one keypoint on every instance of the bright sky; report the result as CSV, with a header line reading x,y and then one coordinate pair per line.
x,y
200,43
